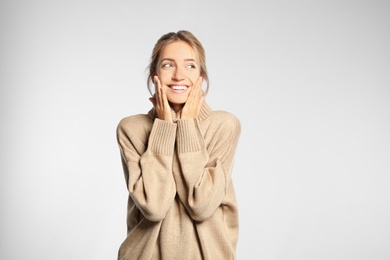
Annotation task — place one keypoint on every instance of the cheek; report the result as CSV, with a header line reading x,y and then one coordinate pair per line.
x,y
194,77
163,76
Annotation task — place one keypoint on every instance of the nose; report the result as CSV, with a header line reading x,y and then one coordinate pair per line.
x,y
178,74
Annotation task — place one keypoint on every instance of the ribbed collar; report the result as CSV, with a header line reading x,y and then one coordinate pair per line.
x,y
204,113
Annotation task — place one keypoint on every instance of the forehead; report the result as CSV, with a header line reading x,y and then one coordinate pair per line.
x,y
178,50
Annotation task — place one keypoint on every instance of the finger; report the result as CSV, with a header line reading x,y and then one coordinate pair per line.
x,y
159,91
200,82
164,98
198,87
155,79
193,91
201,99
156,86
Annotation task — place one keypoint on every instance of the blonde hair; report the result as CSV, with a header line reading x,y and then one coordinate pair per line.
x,y
168,38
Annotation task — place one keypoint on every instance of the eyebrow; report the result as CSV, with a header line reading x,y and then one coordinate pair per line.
x,y
169,59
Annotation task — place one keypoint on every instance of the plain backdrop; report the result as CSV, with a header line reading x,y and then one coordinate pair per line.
x,y
309,81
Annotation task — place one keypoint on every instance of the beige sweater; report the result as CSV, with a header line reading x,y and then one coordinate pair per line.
x,y
181,199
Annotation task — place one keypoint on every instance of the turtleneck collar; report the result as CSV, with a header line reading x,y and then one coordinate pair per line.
x,y
204,113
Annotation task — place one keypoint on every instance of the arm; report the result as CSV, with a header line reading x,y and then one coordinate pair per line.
x,y
205,175
148,170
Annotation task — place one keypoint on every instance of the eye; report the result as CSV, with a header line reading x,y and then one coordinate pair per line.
x,y
167,65
191,66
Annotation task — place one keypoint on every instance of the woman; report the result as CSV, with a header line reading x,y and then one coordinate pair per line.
x,y
178,161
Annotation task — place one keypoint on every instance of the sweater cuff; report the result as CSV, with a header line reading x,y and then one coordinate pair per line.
x,y
162,137
187,136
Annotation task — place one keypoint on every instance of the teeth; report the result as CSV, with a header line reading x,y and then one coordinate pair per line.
x,y
179,87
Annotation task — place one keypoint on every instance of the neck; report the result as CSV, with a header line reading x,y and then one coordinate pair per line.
x,y
176,107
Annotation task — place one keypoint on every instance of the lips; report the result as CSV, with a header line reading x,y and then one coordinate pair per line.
x,y
178,88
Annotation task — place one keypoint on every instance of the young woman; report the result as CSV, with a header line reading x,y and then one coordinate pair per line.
x,y
178,161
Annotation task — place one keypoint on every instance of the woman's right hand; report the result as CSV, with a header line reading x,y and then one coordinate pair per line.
x,y
160,102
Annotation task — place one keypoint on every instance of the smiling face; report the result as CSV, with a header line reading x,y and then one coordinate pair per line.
x,y
178,71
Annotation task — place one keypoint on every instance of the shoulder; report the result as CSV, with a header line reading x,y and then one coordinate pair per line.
x,y
225,120
224,116
134,123
134,119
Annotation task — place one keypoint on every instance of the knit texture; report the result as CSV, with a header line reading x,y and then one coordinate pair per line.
x,y
181,201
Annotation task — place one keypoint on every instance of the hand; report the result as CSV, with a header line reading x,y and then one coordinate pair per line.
x,y
194,101
160,102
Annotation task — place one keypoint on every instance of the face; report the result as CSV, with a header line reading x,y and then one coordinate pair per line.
x,y
178,71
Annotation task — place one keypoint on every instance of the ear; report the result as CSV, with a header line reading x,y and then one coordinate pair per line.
x,y
153,100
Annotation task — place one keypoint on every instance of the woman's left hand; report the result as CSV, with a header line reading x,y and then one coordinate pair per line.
x,y
194,101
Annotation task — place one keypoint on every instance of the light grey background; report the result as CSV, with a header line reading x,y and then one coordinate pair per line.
x,y
309,81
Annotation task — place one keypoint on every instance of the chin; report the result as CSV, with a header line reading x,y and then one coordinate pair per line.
x,y
177,101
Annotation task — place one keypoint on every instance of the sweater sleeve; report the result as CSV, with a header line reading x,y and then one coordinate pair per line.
x,y
148,170
205,175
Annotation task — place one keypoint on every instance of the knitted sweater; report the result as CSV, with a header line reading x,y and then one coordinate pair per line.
x,y
181,201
